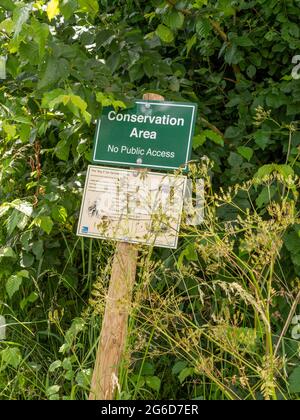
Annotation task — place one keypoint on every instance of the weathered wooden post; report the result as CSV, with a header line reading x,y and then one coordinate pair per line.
x,y
114,326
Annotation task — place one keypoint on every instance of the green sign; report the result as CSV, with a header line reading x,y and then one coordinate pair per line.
x,y
151,134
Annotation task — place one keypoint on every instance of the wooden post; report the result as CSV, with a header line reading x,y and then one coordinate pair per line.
x,y
115,321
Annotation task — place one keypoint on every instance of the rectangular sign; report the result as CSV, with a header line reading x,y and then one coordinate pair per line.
x,y
132,206
153,134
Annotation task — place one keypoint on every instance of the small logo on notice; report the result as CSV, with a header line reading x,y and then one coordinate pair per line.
x,y
84,229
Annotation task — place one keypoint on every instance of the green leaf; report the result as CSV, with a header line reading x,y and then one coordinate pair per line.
x,y
59,214
164,33
45,223
245,152
178,367
174,19
251,71
11,356
20,16
38,249
55,365
55,70
89,6
266,196
262,138
49,97
243,41
52,390
235,160
185,373
40,35
26,259
285,170
148,369
189,253
201,138
264,171
62,149
153,382
68,8
52,9
294,381
203,27
190,43
83,378
7,4
7,252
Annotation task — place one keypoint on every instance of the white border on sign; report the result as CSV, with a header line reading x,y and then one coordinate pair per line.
x,y
143,164
122,239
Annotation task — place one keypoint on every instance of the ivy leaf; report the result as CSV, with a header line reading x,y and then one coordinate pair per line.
x,y
52,9
164,33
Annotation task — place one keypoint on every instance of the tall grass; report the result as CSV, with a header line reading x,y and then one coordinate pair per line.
x,y
208,321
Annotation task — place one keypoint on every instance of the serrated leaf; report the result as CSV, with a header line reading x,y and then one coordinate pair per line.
x,y
164,33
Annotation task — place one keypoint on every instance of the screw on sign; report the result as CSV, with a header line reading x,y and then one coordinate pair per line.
x,y
114,326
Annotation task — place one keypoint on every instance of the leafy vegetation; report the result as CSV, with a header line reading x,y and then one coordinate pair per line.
x,y
218,318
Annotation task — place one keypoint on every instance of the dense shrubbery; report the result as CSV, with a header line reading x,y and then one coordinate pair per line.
x,y
228,283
